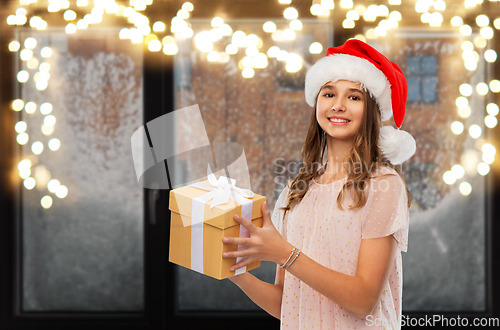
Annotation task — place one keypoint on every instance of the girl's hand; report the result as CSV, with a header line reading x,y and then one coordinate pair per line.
x,y
264,243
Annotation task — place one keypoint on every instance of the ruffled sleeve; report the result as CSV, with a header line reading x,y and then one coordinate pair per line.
x,y
386,210
277,215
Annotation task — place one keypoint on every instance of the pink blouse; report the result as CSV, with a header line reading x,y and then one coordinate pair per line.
x,y
332,236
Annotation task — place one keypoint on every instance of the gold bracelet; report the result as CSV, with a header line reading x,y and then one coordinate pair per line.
x,y
290,257
298,252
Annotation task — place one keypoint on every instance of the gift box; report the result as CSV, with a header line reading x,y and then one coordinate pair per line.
x,y
199,221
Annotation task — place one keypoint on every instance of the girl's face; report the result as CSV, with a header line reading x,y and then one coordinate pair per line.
x,y
339,110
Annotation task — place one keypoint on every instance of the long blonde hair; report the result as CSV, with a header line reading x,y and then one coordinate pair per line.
x,y
365,153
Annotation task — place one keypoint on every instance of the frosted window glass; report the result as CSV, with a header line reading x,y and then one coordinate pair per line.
x,y
85,252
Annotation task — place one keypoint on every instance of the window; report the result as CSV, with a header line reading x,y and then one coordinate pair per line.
x,y
421,75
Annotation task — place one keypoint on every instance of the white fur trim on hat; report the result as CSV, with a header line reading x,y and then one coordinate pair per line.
x,y
347,67
396,145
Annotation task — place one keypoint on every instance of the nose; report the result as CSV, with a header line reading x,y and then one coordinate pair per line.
x,y
338,105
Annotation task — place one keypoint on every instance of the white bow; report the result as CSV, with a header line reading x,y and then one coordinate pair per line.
x,y
222,190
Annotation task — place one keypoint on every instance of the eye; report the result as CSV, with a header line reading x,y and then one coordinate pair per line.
x,y
329,95
355,98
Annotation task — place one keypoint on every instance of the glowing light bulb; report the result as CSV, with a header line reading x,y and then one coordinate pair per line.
x,y
70,28
464,112
492,109
22,138
69,15
29,183
457,127
46,108
46,52
486,32
458,171
21,126
54,144
26,54
49,120
296,25
465,188
457,21
465,89
482,88
17,105
37,147
495,86
14,46
490,55
159,26
462,102
482,20
30,43
289,34
217,21
30,107
223,57
187,6
466,30
248,73
291,13
273,51
154,46
483,168
46,202
449,178
475,131
61,191
348,24
24,165
52,185
315,48
490,121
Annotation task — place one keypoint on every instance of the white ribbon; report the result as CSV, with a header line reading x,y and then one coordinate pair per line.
x,y
221,191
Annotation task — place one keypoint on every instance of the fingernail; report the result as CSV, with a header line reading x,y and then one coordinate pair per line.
x,y
236,216
224,239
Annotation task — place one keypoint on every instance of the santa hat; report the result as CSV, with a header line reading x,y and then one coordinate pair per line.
x,y
358,62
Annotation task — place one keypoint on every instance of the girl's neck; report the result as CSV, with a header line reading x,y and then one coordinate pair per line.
x,y
338,152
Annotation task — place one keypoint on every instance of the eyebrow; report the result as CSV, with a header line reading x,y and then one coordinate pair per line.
x,y
350,89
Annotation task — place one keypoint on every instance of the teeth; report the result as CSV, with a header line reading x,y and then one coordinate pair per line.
x,y
336,120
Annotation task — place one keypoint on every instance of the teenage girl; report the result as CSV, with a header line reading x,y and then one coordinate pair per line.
x,y
343,221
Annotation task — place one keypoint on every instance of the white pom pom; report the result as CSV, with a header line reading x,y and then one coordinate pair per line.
x,y
396,145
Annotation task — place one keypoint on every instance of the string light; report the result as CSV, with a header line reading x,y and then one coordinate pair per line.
x,y
291,13
29,183
457,127
315,48
465,188
46,202
492,109
495,86
54,144
475,131
255,59
46,52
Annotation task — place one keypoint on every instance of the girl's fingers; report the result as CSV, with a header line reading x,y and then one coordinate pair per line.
x,y
242,263
246,223
236,240
235,254
266,214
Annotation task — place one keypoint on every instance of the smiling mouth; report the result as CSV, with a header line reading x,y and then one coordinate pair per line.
x,y
338,120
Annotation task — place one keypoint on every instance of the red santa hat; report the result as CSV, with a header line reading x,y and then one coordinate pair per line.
x,y
358,62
